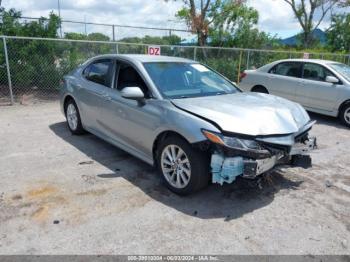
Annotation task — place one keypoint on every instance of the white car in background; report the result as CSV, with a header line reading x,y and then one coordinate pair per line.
x,y
320,86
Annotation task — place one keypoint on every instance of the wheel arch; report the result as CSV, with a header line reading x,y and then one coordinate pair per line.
x,y
161,137
66,99
259,87
340,108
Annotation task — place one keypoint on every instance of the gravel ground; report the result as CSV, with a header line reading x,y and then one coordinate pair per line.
x,y
64,194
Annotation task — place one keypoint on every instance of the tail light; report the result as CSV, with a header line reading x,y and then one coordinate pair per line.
x,y
242,75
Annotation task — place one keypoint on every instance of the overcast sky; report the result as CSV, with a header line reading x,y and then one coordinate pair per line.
x,y
275,15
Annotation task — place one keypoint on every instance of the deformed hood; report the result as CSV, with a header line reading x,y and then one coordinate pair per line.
x,y
251,114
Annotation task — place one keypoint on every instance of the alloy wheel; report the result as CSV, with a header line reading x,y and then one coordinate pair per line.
x,y
347,115
72,116
175,166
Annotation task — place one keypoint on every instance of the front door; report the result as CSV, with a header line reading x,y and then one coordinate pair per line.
x,y
315,92
129,122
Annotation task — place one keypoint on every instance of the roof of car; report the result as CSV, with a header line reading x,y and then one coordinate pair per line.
x,y
148,58
319,61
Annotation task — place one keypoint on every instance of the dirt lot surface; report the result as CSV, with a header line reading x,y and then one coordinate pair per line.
x,y
64,194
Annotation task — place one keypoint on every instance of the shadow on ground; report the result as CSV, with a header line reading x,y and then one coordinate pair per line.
x,y
228,202
327,120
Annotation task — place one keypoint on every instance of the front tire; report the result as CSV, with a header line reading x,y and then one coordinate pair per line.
x,y
344,114
183,168
73,118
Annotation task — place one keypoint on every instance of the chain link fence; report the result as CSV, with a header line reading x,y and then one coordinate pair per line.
x,y
33,67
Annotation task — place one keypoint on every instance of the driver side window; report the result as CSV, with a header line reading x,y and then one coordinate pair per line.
x,y
127,76
315,72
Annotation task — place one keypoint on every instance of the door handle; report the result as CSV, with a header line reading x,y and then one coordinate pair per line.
x,y
107,97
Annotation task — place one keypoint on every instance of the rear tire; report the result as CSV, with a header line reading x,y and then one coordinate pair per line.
x,y
344,114
183,168
260,89
73,118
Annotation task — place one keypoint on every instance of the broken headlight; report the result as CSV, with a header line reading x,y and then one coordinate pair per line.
x,y
232,142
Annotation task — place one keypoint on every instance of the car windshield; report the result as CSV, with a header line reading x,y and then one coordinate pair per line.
x,y
183,80
342,69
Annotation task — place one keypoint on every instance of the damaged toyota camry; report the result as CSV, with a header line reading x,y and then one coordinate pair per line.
x,y
189,121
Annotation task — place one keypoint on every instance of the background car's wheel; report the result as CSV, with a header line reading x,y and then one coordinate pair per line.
x,y
260,89
184,169
344,114
73,118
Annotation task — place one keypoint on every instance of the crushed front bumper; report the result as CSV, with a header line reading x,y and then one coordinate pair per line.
x,y
251,168
299,153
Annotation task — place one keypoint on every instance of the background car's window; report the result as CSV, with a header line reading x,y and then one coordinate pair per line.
x,y
128,77
181,80
287,69
315,72
342,69
99,72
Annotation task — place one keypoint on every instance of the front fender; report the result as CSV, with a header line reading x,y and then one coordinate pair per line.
x,y
184,123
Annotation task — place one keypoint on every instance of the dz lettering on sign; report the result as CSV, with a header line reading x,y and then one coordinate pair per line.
x,y
154,50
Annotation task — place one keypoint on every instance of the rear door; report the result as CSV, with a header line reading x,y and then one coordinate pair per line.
x,y
96,81
314,91
283,79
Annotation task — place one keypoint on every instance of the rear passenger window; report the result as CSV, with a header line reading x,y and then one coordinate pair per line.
x,y
99,72
291,69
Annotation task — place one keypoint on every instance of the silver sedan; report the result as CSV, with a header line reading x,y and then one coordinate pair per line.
x,y
189,121
320,86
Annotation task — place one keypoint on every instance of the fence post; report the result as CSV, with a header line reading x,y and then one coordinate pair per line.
x,y
194,53
248,57
239,66
113,33
8,70
117,48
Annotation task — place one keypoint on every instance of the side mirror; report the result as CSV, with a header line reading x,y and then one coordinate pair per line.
x,y
332,79
133,93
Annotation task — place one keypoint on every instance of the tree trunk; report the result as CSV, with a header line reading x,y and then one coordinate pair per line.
x,y
202,38
306,38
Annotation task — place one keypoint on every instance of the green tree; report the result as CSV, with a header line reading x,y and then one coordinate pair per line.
x,y
338,34
75,36
33,63
310,14
165,40
44,27
236,27
97,37
200,15
10,23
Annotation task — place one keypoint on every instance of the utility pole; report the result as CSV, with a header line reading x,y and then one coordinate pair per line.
x,y
85,24
59,15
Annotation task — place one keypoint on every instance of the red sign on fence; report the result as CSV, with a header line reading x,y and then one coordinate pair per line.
x,y
154,50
